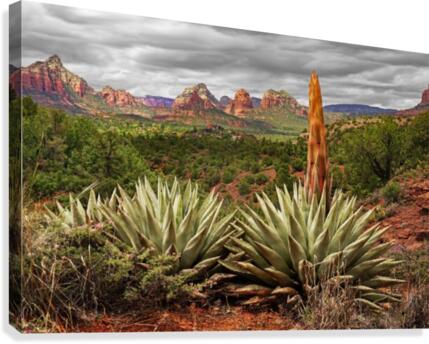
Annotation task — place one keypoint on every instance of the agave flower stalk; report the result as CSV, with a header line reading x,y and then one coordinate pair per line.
x,y
317,174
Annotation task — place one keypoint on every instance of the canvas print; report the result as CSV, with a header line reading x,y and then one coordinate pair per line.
x,y
169,176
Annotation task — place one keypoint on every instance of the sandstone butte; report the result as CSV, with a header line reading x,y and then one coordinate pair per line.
x,y
280,99
51,79
197,97
120,98
425,97
241,103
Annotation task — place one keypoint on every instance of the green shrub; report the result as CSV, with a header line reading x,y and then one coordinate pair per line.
x,y
243,187
158,285
261,179
392,192
228,175
249,179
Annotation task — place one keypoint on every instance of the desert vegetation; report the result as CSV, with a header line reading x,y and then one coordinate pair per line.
x,y
129,220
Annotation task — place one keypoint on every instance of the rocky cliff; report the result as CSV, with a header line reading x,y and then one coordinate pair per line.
x,y
241,103
425,97
119,98
197,97
281,99
50,83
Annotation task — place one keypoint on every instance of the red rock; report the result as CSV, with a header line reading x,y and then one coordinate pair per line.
x,y
120,98
281,99
241,103
49,79
194,98
425,96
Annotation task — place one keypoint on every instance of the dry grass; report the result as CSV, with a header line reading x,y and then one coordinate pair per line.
x,y
331,306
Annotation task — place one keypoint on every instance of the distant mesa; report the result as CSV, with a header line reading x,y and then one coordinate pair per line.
x,y
357,109
256,102
240,104
197,97
273,99
157,101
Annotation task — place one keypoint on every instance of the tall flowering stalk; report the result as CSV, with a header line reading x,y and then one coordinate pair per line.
x,y
317,176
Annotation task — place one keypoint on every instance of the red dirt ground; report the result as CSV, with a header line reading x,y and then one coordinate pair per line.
x,y
192,318
232,188
409,223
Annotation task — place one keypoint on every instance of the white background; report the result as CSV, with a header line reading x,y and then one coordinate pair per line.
x,y
392,24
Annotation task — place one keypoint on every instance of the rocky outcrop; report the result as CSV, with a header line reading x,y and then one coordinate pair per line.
x,y
281,99
119,98
197,97
241,103
49,81
425,97
423,106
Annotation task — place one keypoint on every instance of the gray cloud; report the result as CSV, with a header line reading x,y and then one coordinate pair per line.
x,y
161,57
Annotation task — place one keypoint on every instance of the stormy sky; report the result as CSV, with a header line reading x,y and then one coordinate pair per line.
x,y
161,57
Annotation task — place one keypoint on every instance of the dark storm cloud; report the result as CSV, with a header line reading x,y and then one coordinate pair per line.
x,y
161,57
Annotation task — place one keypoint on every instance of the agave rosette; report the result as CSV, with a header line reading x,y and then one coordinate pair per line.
x,y
298,244
167,221
76,214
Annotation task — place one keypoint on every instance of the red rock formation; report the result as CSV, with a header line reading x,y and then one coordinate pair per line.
x,y
49,79
281,99
241,103
120,98
197,97
425,97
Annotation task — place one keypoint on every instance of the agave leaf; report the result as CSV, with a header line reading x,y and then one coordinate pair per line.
x,y
369,303
282,279
253,289
378,297
258,300
206,264
297,252
374,252
279,262
382,281
261,274
251,252
284,291
233,266
120,226
192,248
360,270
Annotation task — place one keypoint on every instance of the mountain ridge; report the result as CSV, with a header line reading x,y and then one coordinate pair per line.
x,y
358,109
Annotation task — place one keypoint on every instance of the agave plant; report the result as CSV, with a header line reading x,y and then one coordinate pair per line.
x,y
308,238
295,246
167,221
76,215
